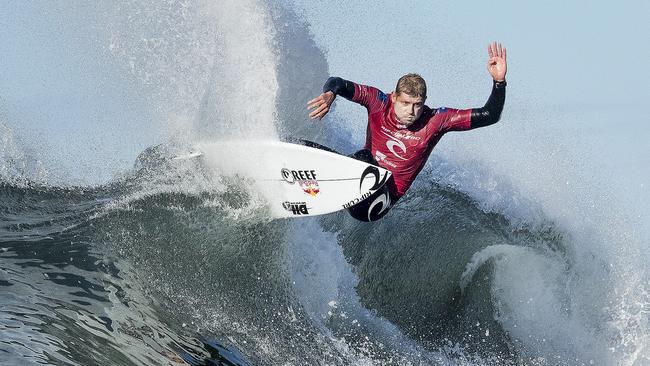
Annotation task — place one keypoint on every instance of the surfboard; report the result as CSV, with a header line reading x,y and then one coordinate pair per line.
x,y
296,180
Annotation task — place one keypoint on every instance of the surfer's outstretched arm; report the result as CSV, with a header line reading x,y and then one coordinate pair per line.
x,y
497,67
334,86
491,111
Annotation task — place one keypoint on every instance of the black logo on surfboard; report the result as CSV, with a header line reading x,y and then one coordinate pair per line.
x,y
374,171
292,176
297,208
374,203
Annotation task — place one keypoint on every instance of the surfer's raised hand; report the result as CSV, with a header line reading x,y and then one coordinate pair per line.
x,y
321,105
497,65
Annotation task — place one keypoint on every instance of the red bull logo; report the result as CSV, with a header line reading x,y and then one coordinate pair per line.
x,y
310,187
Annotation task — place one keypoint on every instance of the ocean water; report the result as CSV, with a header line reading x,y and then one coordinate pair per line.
x,y
525,243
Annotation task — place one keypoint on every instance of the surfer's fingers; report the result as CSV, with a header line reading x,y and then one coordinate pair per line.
x,y
315,112
320,112
316,100
321,108
319,100
323,113
319,116
313,104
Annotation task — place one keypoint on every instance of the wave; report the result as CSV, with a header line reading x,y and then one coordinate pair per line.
x,y
430,282
469,268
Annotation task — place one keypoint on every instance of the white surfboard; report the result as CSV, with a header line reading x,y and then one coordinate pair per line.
x,y
295,179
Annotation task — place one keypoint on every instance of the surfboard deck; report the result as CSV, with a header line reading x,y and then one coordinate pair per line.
x,y
295,179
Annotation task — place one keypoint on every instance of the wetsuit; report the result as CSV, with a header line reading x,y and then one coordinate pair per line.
x,y
405,149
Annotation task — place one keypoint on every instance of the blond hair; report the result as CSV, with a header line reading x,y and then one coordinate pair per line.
x,y
413,85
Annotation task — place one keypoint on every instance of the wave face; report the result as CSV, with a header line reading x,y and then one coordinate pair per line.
x,y
165,262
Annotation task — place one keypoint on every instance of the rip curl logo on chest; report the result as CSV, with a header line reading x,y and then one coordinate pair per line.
x,y
406,136
402,135
395,143
392,143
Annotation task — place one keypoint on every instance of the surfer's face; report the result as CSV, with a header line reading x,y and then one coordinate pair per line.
x,y
407,107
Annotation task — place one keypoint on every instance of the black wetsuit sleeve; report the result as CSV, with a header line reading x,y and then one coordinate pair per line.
x,y
340,87
491,111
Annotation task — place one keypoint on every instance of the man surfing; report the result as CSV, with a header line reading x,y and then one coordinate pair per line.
x,y
402,131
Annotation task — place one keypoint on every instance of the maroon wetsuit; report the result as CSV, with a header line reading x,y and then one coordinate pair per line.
x,y
404,150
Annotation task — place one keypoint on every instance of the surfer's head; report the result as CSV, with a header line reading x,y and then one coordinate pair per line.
x,y
408,98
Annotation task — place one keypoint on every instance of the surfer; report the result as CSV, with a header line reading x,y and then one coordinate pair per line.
x,y
402,131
